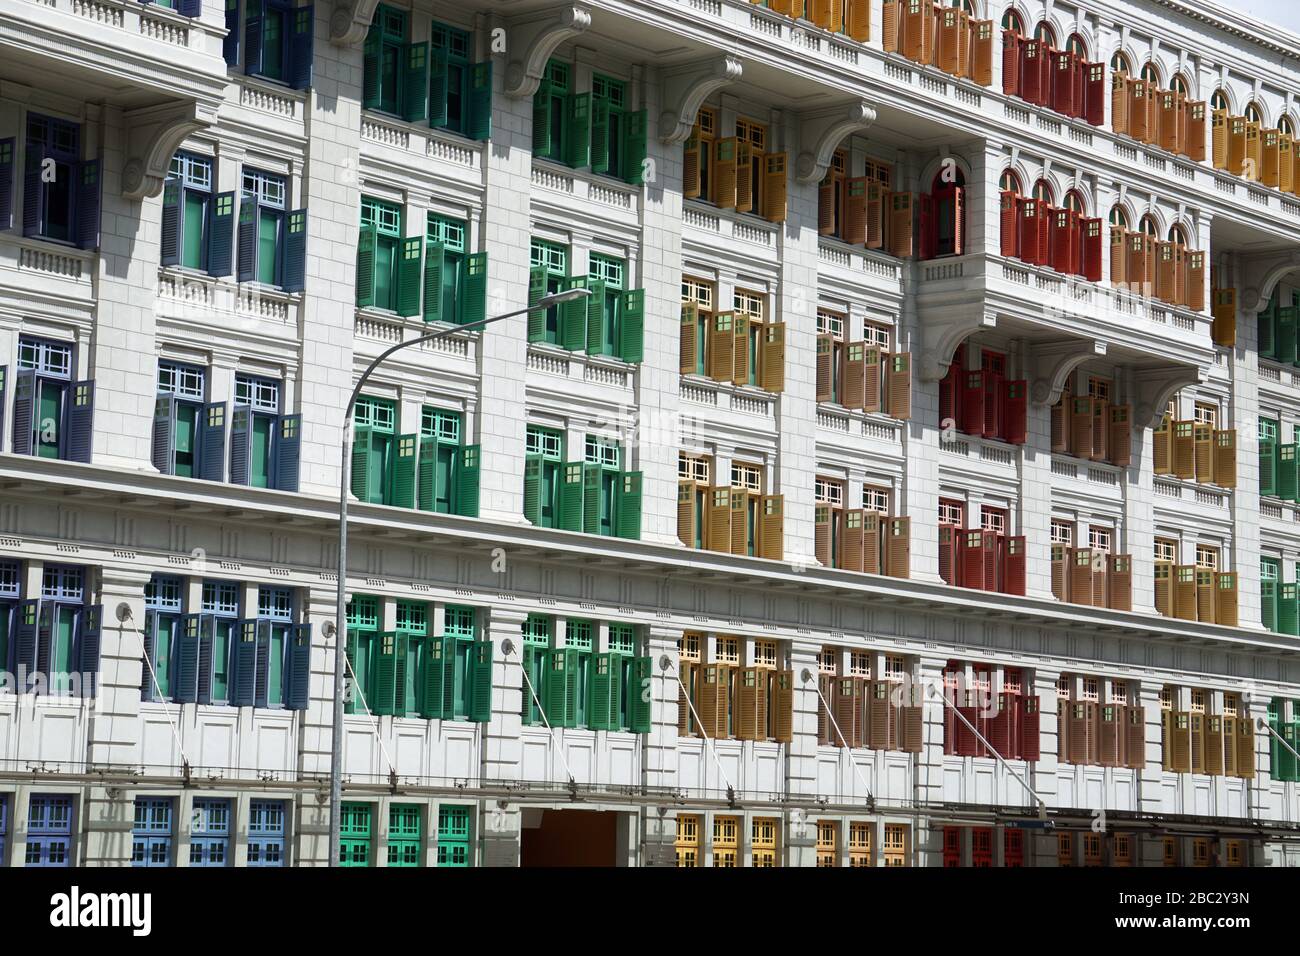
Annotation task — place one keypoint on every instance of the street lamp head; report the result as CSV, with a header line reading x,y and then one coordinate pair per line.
x,y
566,295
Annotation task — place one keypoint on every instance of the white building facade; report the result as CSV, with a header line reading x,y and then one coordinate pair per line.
x,y
909,366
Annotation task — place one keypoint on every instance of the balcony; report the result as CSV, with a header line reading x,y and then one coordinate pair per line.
x,y
165,71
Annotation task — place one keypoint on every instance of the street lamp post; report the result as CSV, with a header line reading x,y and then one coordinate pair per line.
x,y
345,480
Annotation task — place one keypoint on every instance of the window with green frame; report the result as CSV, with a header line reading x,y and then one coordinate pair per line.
x,y
1270,580
277,40
382,254
363,631
405,844
580,686
455,284
446,483
543,459
593,129
458,670
610,321
1284,765
413,629
453,835
354,834
537,635
431,81
596,497
375,451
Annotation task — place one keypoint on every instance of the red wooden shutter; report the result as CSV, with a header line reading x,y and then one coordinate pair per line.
x,y
1011,43
993,400
1029,725
1015,412
992,560
1091,249
967,744
972,559
1010,246
947,566
1030,76
1029,227
1043,257
972,403
1059,240
1121,435
1062,67
927,224
999,735
1013,565
1094,96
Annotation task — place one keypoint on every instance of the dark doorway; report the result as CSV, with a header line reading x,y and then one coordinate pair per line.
x,y
571,838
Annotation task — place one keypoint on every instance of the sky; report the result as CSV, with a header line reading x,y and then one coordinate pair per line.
x,y
1284,13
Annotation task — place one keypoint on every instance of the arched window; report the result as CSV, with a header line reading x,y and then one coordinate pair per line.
x,y
1073,201
958,179
1118,217
1219,101
1011,21
1077,44
1254,114
1178,83
1119,64
1178,236
1149,226
948,227
965,5
1045,33
1151,74
1009,182
1043,191
1284,126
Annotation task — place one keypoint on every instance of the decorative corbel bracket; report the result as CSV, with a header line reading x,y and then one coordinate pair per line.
x,y
1155,386
539,35
153,134
685,90
1055,361
350,21
824,130
942,338
1260,277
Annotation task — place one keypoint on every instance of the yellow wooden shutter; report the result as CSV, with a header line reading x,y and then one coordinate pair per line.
x,y
825,361
1225,457
772,540
854,391
859,17
691,167
724,173
687,358
740,350
774,187
719,524
686,513
721,348
739,521
773,365
744,176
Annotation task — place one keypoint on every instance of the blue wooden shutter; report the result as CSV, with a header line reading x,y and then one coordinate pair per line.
x,y
631,333
361,463
629,505
253,16
246,254
81,421
221,233
261,678
480,682
467,481
434,263
410,254
413,89
24,409
186,688
171,222
33,194
44,635
88,648
212,442
473,298
634,147
437,83
241,433
162,451
230,43
189,8
4,387
367,239
300,47
149,639
207,646
288,449
480,101
243,678
299,668
8,147
88,203
29,612
295,252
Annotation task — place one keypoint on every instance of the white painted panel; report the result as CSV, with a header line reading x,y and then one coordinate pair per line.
x,y
359,752
216,743
622,767
582,760
826,774
896,780
731,767
688,770
273,749
766,773
952,785
410,754
1094,792
534,759
1169,797
1065,791
984,786
460,754
1201,799
1234,802
157,744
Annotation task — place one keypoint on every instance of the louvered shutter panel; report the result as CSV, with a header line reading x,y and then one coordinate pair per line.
x,y
855,211
855,392
898,547
532,482
1285,166
972,402
410,257
89,640
900,225
1184,576
871,541
241,448
1110,736
1195,134
999,735
1288,609
880,715
876,196
7,153
473,300
1081,427
212,442
1237,145
686,344
1013,565
1081,575
360,471
994,395
1060,579
1254,157
1119,582
579,107
1121,435
992,549
1100,429
774,187
1029,227
1194,283
639,706
432,678
599,135
288,447
721,348
1203,451
629,505
171,222
982,52
740,370
926,226
299,667
823,515
826,192
591,492
851,541
745,184
911,733
772,370
542,132
1164,588
684,719
725,173
162,446
719,523
25,646
1135,745
246,248
367,239
1011,63
244,679
480,102
825,694
631,341
1093,108
1031,78
81,421
1219,138
1015,412
413,83
1226,600
891,24
857,19
1246,749
1225,458
1008,233
1118,257
295,252
772,539
947,553
89,195
404,471
1091,250
824,368
1213,747
972,559
691,163
1269,171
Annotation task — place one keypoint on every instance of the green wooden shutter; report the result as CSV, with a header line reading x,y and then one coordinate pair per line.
x,y
571,497
404,471
434,673
537,317
638,689
438,88
591,498
467,481
595,317
1288,471
629,505
631,333
634,147
371,88
480,101
480,681
599,135
366,243
542,131
361,463
552,691
1285,337
573,317
354,671
413,92
602,712
1267,467
401,706
579,129
434,263
533,488
408,276
386,674
571,675
1268,603
427,472
473,298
